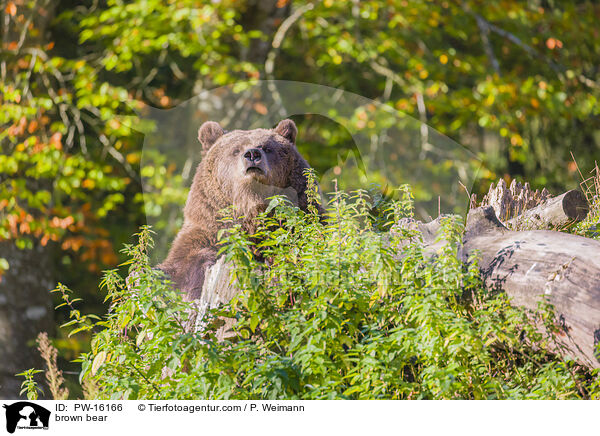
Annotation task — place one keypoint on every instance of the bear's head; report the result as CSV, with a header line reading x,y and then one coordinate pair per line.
x,y
244,167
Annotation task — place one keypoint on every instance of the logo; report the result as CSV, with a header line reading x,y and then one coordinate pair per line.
x,y
26,415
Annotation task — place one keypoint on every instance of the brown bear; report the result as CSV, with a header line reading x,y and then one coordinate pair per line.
x,y
241,168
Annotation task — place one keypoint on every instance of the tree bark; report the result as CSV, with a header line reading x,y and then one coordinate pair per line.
x,y
25,310
520,208
553,213
534,265
218,289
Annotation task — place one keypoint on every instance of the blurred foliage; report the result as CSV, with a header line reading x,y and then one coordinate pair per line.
x,y
515,82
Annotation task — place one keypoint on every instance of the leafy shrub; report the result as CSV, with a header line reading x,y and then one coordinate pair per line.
x,y
590,226
341,309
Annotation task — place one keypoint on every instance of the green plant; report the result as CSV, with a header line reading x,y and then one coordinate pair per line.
x,y
590,226
29,385
336,310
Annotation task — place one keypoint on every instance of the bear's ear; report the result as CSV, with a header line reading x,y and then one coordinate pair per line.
x,y
288,130
208,133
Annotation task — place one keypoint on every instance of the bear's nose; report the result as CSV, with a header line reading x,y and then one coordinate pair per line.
x,y
253,155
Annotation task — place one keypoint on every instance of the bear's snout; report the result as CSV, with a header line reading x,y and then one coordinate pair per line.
x,y
255,163
254,155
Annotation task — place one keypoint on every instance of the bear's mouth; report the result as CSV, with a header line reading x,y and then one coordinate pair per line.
x,y
254,170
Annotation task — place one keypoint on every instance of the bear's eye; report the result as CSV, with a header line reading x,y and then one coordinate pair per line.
x,y
236,151
267,149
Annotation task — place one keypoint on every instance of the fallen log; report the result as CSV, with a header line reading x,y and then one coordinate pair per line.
x,y
553,213
534,265
518,207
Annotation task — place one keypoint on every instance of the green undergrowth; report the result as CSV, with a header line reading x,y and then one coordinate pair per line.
x,y
590,226
334,308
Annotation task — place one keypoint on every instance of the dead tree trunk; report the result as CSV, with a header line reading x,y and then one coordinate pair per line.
x,y
218,289
520,208
555,212
536,264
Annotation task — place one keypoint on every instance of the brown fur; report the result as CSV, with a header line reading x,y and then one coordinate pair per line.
x,y
223,179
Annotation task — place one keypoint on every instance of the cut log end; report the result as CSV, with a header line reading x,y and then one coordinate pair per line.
x,y
575,205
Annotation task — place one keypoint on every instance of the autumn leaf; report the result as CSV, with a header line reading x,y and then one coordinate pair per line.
x,y
11,9
98,361
260,108
553,43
